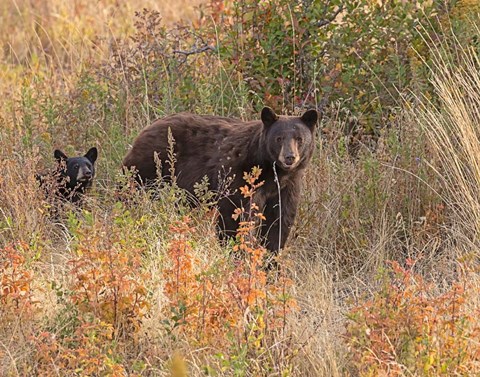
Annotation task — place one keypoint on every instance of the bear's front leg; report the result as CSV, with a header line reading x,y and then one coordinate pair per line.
x,y
280,216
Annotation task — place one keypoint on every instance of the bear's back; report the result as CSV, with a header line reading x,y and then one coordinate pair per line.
x,y
204,145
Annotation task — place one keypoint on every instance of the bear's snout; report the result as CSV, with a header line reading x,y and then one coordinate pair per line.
x,y
85,174
289,159
289,154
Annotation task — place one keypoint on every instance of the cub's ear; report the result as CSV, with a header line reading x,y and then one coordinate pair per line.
x,y
59,155
92,154
268,116
39,178
310,118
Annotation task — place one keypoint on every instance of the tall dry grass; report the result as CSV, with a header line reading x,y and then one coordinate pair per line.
x,y
53,40
452,128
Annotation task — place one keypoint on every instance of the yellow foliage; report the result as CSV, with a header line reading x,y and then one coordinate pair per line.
x,y
178,366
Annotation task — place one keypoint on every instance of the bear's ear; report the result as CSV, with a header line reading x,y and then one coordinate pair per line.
x,y
60,156
268,116
92,154
310,118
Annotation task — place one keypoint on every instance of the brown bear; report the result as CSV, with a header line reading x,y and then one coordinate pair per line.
x,y
219,147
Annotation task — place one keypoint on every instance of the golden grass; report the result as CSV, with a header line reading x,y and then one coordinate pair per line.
x,y
53,39
453,130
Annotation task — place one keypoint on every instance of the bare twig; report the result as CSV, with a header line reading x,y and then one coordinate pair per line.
x,y
194,51
325,22
277,181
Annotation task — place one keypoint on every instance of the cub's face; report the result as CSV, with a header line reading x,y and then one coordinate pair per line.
x,y
78,170
289,140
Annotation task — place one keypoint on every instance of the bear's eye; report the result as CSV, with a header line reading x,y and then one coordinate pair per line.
x,y
279,139
76,166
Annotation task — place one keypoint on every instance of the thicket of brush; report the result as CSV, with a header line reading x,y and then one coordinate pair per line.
x,y
380,276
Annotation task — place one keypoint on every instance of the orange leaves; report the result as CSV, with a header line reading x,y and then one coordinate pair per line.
x,y
245,190
15,281
198,305
252,185
180,277
107,283
212,303
87,351
406,326
105,300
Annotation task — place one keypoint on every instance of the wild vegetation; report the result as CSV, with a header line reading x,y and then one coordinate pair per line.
x,y
380,276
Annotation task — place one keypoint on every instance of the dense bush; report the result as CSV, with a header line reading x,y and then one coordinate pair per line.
x,y
408,328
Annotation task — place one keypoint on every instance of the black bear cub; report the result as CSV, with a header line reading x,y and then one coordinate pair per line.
x,y
217,147
72,176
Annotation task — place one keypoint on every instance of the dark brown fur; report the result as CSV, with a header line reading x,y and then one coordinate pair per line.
x,y
217,147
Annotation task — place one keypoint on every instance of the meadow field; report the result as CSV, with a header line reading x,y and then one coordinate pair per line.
x,y
380,276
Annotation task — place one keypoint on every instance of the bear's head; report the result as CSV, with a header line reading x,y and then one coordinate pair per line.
x,y
289,139
78,171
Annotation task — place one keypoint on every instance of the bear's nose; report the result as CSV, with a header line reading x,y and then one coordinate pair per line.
x,y
290,159
88,173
